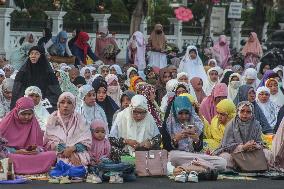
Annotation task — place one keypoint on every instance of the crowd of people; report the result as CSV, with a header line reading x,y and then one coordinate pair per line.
x,y
97,113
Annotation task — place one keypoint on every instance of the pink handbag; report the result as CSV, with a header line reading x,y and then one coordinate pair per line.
x,y
151,163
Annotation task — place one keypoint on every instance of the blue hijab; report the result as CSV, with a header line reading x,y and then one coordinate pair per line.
x,y
61,47
181,103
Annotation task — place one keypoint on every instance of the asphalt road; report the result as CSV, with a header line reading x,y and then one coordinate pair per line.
x,y
158,183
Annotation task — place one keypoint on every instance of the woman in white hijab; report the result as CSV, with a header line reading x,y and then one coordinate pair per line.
x,y
276,95
234,84
41,112
170,87
115,69
192,64
135,128
212,80
87,74
5,96
250,78
131,72
137,49
88,107
269,108
183,77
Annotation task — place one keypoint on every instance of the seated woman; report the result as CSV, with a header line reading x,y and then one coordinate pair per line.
x,y
276,94
212,80
65,83
197,85
88,108
208,105
105,101
37,72
247,93
278,148
183,77
25,138
134,81
103,70
58,45
87,74
5,96
131,72
67,133
113,87
148,91
185,131
170,87
243,133
134,129
164,76
234,85
269,108
226,111
41,112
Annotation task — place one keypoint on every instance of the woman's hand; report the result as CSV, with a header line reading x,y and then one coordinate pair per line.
x,y
146,144
250,146
133,143
74,160
69,151
180,135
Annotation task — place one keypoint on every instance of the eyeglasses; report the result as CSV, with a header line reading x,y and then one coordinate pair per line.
x,y
264,94
142,113
222,114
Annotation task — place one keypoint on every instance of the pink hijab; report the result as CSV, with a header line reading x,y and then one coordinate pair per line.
x,y
21,135
222,48
208,107
252,46
101,148
70,130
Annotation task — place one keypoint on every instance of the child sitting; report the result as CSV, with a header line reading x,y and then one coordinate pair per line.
x,y
102,167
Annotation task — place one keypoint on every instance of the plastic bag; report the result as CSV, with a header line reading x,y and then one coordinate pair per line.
x,y
63,169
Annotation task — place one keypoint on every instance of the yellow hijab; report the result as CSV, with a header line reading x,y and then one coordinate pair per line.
x,y
215,132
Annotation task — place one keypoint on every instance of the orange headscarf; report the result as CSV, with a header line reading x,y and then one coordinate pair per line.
x,y
133,83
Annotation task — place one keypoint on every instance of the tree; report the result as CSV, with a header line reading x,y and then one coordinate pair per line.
x,y
261,7
138,14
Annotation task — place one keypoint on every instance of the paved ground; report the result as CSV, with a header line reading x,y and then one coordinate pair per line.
x,y
159,183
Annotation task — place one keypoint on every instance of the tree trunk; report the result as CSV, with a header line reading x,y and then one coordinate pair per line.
x,y
259,17
137,16
207,22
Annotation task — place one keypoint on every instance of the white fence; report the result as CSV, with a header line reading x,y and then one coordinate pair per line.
x,y
121,39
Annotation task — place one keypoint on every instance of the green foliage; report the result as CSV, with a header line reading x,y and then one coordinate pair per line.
x,y
198,10
160,12
119,12
247,16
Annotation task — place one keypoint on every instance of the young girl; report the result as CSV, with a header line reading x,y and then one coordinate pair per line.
x,y
100,155
87,74
100,145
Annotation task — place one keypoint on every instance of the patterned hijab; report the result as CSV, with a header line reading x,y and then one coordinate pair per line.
x,y
146,90
65,83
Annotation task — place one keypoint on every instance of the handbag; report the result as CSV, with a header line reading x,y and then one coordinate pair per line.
x,y
198,165
250,161
151,163
6,169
